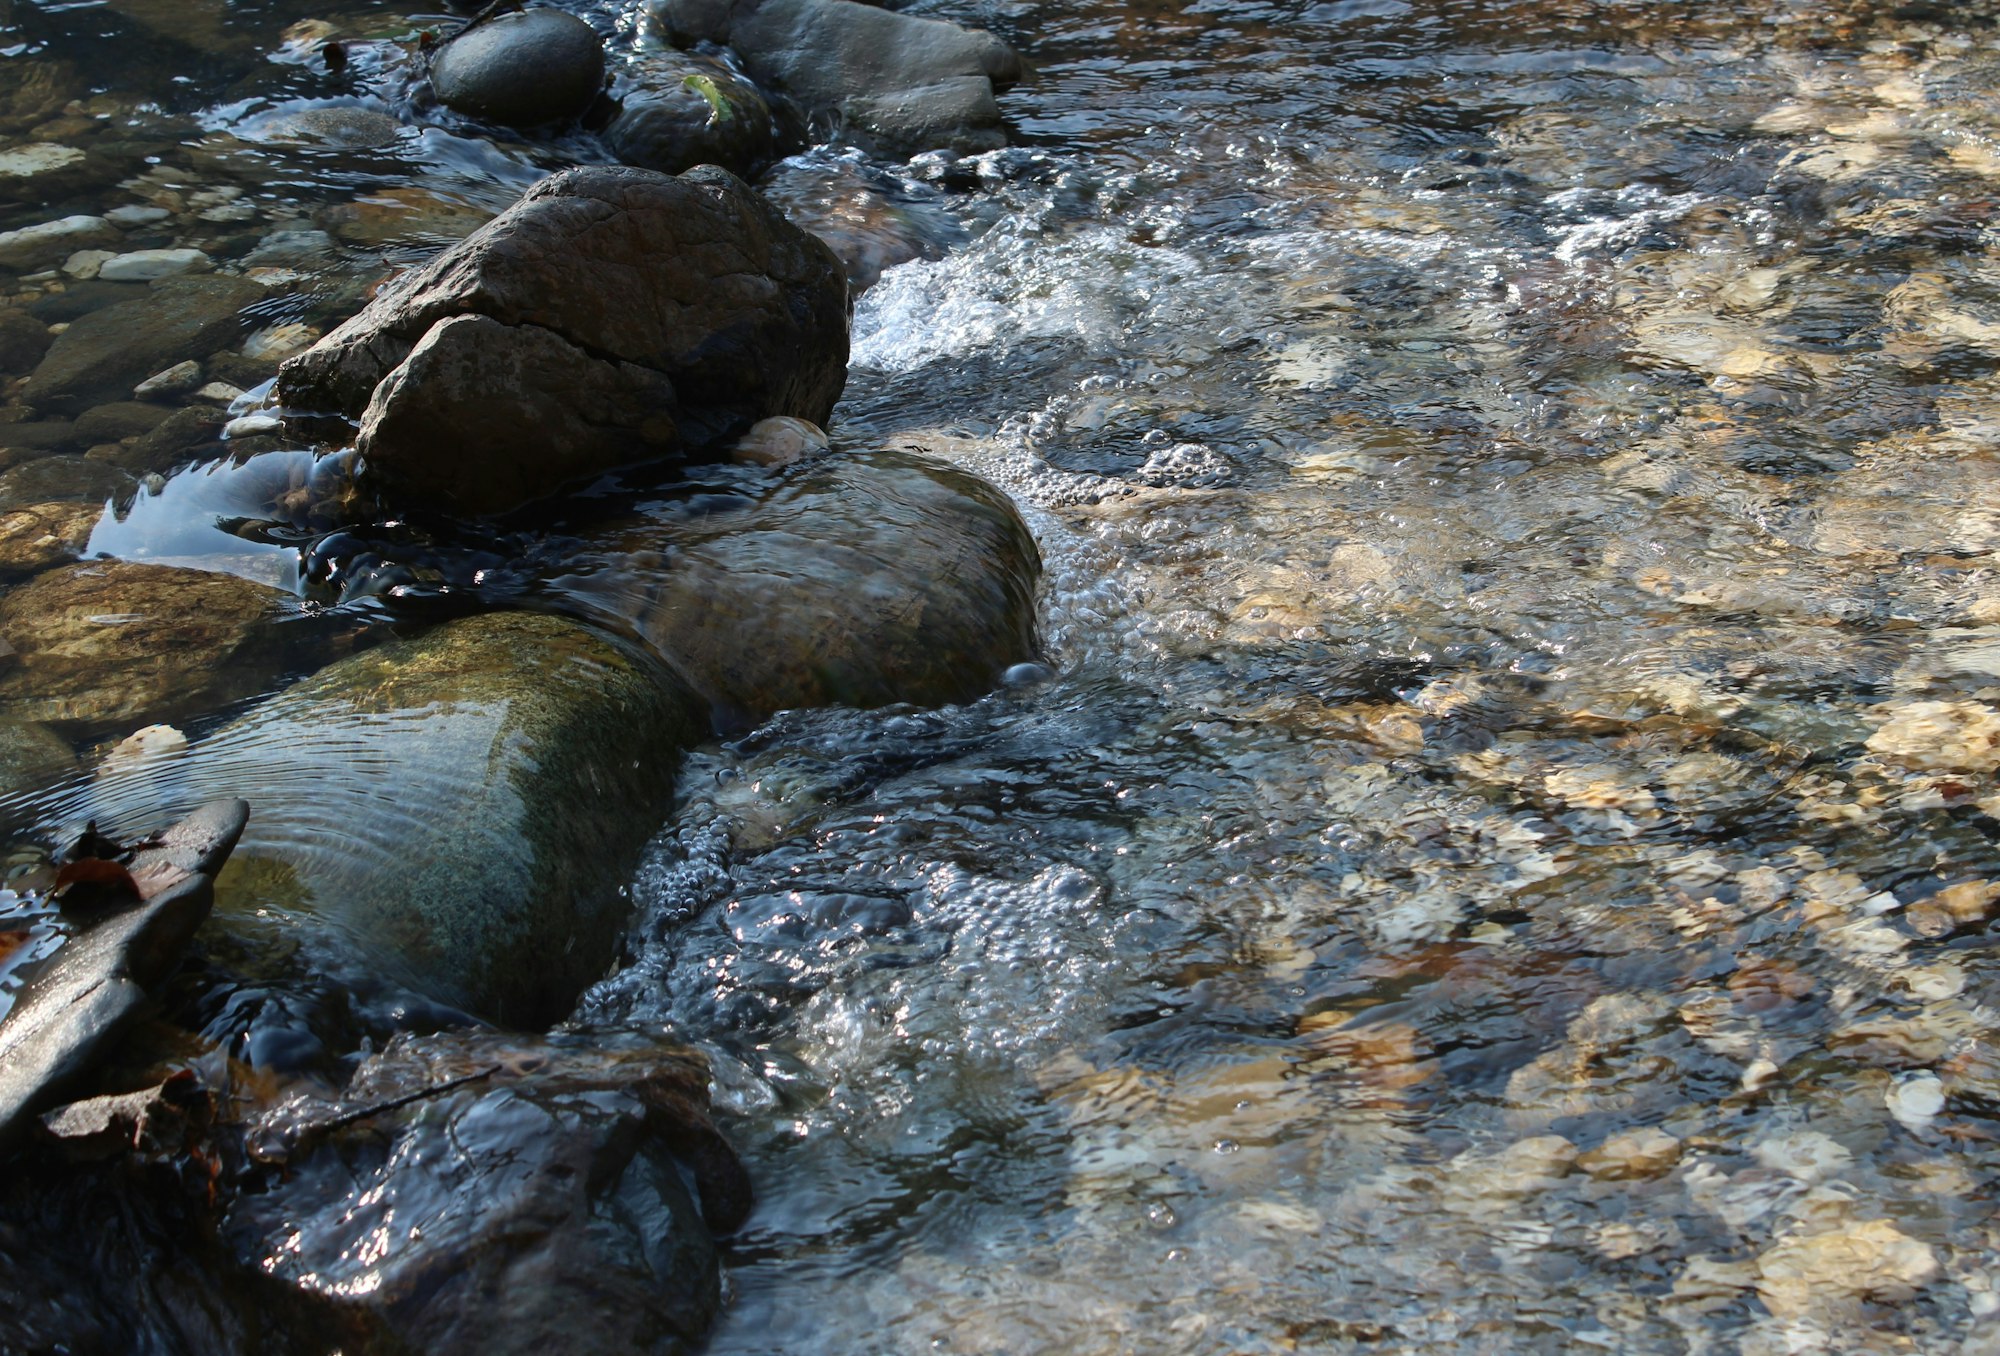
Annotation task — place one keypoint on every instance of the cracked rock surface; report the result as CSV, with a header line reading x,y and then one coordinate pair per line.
x,y
611,316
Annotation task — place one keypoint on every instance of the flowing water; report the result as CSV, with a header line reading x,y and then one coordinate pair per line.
x,y
1500,853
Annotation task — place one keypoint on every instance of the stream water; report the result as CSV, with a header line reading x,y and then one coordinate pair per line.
x,y
1500,854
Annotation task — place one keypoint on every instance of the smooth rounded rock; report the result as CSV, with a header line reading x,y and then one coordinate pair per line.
x,y
521,70
456,812
863,581
678,112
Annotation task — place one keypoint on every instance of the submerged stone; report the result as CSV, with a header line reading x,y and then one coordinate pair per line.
x,y
107,352
105,644
459,810
680,112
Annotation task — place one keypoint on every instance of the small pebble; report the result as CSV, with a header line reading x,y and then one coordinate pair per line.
x,y
135,215
175,380
1915,1101
252,425
219,393
84,264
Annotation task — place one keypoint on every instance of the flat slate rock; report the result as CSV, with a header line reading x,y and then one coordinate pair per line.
x,y
95,986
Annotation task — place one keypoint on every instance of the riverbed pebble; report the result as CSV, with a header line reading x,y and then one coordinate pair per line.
x,y
148,265
32,246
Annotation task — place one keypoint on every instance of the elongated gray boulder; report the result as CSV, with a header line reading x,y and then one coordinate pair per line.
x,y
664,314
456,812
65,1019
897,82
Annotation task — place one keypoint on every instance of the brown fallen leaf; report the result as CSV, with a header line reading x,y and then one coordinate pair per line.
x,y
10,942
95,883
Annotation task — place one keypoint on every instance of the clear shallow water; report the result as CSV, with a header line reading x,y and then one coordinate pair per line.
x,y
1502,858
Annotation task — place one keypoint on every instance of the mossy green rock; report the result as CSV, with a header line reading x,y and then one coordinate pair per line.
x,y
460,809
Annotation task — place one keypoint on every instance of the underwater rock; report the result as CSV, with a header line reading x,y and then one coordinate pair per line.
x,y
857,581
23,341
110,643
40,536
52,241
683,112
526,69
739,314
95,985
459,810
104,354
869,229
900,83
527,1196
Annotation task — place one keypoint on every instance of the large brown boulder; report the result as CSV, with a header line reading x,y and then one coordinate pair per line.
x,y
622,316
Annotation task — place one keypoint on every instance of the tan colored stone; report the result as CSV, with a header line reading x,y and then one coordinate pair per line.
x,y
1641,1153
1834,1270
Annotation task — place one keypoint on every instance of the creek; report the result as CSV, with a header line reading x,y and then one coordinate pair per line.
x,y
1500,851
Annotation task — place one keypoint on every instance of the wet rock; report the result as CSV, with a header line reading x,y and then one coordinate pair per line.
x,y
581,413
1645,1152
780,441
113,644
681,112
902,83
525,69
173,440
133,216
95,986
23,341
84,264
1828,1274
34,437
425,794
118,420
31,757
38,537
41,171
865,581
529,1197
179,379
608,274
33,247
1942,736
149,265
65,477
104,354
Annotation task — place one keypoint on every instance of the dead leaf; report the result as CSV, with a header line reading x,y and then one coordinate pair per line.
x,y
10,942
95,882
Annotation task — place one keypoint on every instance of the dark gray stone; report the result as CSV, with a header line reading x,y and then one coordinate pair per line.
x,y
900,83
696,278
23,341
65,1018
676,112
525,69
105,353
529,1199
118,420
